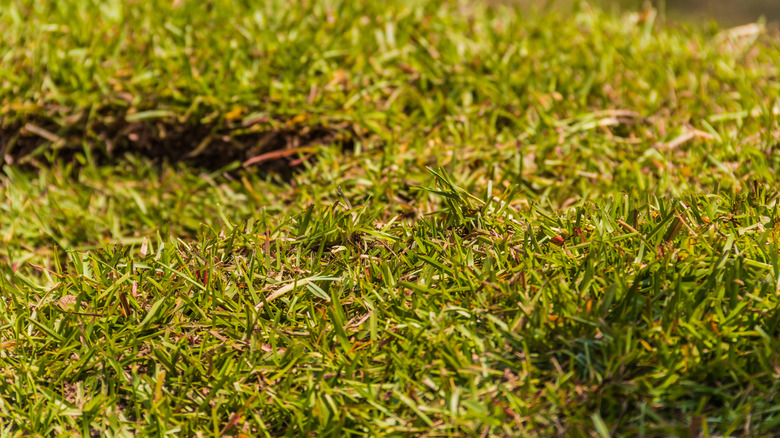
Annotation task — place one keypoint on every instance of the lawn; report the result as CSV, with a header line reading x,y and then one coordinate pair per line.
x,y
394,218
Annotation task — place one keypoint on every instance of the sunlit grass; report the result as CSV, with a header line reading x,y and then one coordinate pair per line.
x,y
523,225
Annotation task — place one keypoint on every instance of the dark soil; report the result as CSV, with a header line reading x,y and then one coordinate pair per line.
x,y
268,146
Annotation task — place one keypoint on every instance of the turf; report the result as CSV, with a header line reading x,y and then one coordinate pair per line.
x,y
395,218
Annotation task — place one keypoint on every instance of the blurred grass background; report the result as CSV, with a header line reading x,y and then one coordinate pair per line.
x,y
727,12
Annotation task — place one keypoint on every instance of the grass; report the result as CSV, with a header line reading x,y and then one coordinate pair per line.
x,y
396,218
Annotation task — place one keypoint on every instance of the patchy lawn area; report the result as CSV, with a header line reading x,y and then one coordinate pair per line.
x,y
385,218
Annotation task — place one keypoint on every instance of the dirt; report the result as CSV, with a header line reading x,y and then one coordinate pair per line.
x,y
276,147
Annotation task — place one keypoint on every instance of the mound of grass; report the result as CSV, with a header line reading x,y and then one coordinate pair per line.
x,y
496,223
